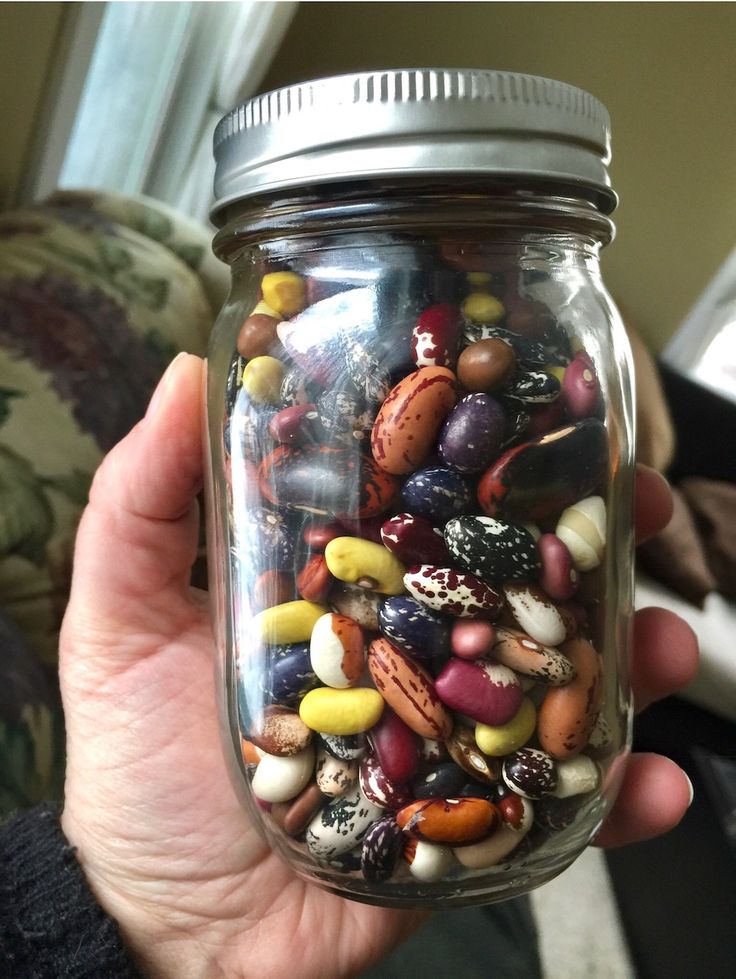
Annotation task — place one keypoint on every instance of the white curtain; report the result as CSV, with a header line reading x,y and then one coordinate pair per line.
x,y
704,347
232,46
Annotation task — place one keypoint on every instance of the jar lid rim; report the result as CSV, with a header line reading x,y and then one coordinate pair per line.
x,y
425,121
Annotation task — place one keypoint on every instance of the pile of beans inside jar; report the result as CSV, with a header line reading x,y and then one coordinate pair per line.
x,y
418,502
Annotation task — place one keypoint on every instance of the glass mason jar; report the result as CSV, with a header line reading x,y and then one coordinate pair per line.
x,y
420,481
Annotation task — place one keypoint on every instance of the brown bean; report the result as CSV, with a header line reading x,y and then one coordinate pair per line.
x,y
295,816
486,365
314,580
281,732
257,337
567,715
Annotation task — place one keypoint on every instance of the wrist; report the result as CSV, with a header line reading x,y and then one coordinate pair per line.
x,y
163,944
50,922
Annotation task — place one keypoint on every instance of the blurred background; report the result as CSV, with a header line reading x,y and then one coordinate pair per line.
x,y
666,72
107,112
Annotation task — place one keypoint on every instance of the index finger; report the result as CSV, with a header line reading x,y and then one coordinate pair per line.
x,y
652,503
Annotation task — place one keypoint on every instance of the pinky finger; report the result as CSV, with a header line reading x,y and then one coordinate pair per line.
x,y
654,797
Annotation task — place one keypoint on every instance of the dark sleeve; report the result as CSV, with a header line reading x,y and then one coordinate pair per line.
x,y
51,927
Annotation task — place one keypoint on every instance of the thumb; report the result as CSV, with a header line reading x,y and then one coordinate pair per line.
x,y
137,539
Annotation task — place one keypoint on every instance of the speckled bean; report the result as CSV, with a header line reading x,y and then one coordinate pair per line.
x,y
334,776
341,825
536,614
568,713
408,689
410,417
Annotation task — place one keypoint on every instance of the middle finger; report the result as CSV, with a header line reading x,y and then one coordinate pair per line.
x,y
665,655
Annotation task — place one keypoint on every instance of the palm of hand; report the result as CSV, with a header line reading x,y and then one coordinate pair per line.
x,y
169,838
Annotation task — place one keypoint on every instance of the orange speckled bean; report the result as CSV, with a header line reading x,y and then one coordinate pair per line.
x,y
409,689
410,418
567,715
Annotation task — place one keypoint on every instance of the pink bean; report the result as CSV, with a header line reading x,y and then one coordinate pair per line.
x,y
559,579
434,338
472,638
487,692
580,388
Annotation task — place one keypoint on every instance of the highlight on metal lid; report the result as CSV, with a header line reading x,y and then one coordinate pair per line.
x,y
413,122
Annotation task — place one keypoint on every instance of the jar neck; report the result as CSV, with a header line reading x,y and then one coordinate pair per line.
x,y
495,211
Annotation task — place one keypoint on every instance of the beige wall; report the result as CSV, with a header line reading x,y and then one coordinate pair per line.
x,y
666,71
28,35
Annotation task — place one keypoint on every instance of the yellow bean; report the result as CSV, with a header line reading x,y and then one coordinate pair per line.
x,y
263,309
365,563
288,622
262,379
482,307
479,278
349,711
285,292
502,739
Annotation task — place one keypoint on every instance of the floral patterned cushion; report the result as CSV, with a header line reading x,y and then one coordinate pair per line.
x,y
97,294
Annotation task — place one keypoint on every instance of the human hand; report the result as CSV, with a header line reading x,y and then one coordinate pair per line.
x,y
163,841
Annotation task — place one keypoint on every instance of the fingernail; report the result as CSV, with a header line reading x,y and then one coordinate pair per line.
x,y
155,401
692,790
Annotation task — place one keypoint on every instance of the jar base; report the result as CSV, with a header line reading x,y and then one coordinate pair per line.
x,y
492,885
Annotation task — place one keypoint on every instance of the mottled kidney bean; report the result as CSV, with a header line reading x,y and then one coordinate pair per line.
x,y
414,540
434,338
417,629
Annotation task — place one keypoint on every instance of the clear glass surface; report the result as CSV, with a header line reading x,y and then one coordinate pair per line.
x,y
419,503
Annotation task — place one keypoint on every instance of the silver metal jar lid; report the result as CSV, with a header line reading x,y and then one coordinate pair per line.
x,y
417,122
